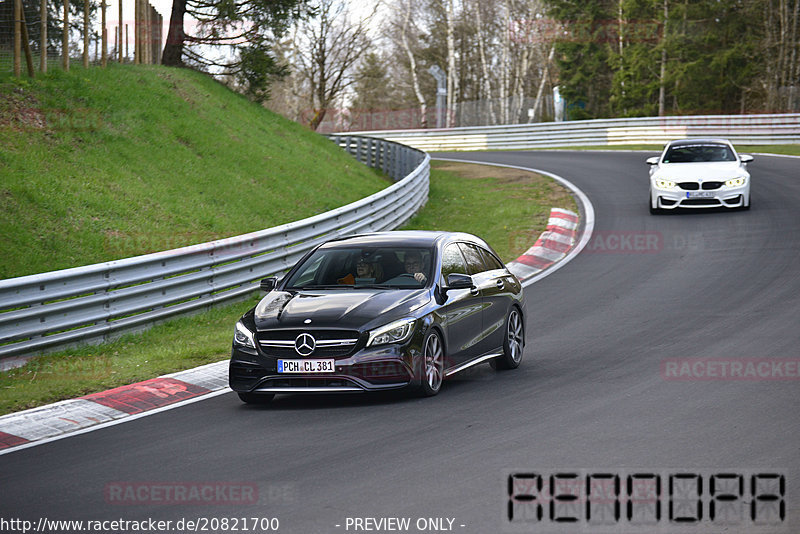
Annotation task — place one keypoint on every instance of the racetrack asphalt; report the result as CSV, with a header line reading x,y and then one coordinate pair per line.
x,y
592,393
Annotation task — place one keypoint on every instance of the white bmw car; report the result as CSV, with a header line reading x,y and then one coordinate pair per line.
x,y
699,173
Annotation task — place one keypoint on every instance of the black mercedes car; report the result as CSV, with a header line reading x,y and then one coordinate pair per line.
x,y
380,311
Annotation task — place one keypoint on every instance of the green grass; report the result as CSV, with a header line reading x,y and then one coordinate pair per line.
x,y
102,164
508,208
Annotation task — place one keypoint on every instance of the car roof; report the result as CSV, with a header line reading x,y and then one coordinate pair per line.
x,y
406,238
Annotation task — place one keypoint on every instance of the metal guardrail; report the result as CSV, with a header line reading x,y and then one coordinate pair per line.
x,y
92,303
742,129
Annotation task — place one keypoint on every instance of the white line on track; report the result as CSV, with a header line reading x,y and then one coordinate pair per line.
x,y
117,421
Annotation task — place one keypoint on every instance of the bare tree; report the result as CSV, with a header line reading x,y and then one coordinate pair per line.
x,y
486,83
413,64
328,47
452,76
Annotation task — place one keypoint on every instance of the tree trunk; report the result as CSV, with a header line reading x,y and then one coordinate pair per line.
x,y
795,68
663,73
504,80
26,43
173,50
486,87
423,110
538,102
451,66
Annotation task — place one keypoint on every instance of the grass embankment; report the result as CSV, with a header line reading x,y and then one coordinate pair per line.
x,y
218,166
102,164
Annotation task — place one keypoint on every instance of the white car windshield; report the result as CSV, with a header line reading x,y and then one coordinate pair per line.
x,y
699,153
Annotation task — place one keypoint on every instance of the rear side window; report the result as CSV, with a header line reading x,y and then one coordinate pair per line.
x,y
489,259
474,258
452,261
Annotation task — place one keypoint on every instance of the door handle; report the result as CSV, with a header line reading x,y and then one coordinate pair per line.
x,y
501,284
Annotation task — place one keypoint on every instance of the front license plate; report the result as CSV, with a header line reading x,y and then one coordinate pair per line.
x,y
305,366
700,194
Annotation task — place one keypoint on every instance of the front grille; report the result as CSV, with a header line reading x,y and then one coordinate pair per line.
x,y
329,343
734,200
709,186
689,186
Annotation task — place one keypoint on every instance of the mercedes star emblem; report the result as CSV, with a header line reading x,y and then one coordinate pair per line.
x,y
305,344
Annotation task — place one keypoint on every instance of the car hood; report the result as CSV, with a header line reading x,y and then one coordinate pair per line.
x,y
715,171
347,308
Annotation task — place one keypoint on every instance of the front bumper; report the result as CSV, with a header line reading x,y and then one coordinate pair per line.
x,y
368,369
724,197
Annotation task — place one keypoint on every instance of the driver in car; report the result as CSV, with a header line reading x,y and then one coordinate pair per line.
x,y
413,266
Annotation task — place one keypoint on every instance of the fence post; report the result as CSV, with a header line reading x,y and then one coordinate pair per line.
x,y
17,38
43,36
137,56
104,33
85,34
26,43
119,50
65,38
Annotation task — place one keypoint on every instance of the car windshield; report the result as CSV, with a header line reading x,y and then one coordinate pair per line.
x,y
373,267
700,152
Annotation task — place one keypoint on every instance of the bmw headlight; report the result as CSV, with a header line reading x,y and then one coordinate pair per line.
x,y
394,332
243,337
736,182
665,184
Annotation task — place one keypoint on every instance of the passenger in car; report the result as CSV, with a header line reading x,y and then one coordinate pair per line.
x,y
367,272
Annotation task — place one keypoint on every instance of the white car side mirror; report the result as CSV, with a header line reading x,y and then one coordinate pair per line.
x,y
653,160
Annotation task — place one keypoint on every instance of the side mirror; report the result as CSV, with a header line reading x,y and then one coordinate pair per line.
x,y
745,158
459,281
268,284
653,160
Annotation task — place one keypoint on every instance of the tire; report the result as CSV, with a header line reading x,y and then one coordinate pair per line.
x,y
514,342
256,398
432,365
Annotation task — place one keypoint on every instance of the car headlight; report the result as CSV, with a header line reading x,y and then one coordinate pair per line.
x,y
736,182
666,184
243,337
394,332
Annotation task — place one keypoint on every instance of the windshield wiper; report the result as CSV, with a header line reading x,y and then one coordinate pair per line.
x,y
375,286
330,286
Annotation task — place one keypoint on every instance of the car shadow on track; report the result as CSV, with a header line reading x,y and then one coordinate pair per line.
x,y
690,211
460,383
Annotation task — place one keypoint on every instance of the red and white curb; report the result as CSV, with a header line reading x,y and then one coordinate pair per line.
x,y
552,246
103,408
